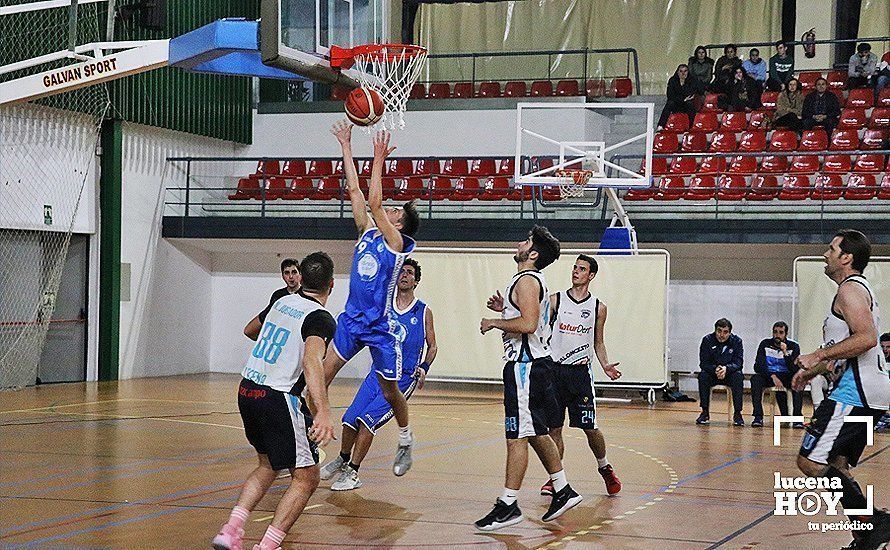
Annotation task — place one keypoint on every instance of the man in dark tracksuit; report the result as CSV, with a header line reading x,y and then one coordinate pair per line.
x,y
721,359
775,366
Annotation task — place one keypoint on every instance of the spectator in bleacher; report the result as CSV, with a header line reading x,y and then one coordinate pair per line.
x,y
862,67
789,106
724,69
755,66
701,66
820,108
781,67
882,75
742,95
884,422
720,358
775,366
681,91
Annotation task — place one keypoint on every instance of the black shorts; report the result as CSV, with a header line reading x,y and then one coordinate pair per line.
x,y
829,436
277,425
573,386
529,400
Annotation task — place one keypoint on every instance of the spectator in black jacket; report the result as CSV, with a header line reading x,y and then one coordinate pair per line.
x,y
724,69
781,67
820,108
775,366
681,91
701,66
720,359
743,93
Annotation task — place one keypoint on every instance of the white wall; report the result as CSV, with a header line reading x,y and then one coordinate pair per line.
x,y
818,14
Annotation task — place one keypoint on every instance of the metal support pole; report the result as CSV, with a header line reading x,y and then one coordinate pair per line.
x,y
109,23
72,25
188,177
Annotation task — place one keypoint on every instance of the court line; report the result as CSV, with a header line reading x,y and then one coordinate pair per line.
x,y
51,407
751,525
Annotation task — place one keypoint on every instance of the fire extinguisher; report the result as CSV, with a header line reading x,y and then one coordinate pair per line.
x,y
809,43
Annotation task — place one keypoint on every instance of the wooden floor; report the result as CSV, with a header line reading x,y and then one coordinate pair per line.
x,y
157,463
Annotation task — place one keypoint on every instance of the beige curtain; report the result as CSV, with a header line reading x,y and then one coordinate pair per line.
x,y
664,34
874,20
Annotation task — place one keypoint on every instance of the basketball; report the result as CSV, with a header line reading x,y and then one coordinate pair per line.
x,y
364,106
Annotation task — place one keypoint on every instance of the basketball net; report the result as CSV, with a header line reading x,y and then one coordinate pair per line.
x,y
572,182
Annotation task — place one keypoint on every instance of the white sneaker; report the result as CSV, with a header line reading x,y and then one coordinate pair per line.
x,y
402,462
331,469
347,481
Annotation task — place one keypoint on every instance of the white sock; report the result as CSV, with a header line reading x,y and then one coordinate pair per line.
x,y
602,462
559,480
405,436
509,496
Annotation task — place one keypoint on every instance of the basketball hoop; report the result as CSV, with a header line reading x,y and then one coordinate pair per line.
x,y
572,182
391,69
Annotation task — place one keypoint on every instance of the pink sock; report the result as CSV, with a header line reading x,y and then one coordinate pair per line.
x,y
238,517
273,537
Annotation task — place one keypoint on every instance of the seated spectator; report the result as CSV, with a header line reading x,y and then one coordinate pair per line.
x,y
701,66
781,67
882,74
755,67
742,95
789,106
884,422
820,108
775,367
724,69
681,91
720,358
862,67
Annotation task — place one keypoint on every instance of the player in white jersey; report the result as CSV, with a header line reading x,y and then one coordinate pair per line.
x,y
831,446
578,319
286,360
529,401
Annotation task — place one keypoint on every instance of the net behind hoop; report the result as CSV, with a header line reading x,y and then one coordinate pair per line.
x,y
572,182
391,69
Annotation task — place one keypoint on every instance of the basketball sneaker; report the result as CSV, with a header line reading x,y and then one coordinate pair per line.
x,y
261,547
331,469
613,484
547,488
757,422
402,463
798,425
703,419
347,481
502,515
228,538
561,502
737,420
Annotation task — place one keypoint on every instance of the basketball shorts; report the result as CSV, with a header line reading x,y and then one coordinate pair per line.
x,y
370,407
573,388
384,342
277,425
529,400
829,436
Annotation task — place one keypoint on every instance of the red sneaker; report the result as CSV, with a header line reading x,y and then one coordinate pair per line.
x,y
547,488
613,485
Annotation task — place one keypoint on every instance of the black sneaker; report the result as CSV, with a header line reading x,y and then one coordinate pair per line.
x,y
737,420
757,422
502,515
798,426
703,419
561,502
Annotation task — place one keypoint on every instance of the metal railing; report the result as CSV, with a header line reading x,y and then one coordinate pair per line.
x,y
792,43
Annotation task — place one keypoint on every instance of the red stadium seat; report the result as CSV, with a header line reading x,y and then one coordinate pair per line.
x,y
694,142
863,98
742,165
734,122
427,167
844,140
363,168
320,168
465,189
874,139
540,163
759,120
294,168
418,91
839,94
640,194
275,188
753,141
567,88
880,117
550,193
462,90
400,167
710,105
515,88
671,188
712,166
836,163
621,87
439,90
456,167
595,87
482,167
860,187
768,100
808,79
339,93
409,188
763,188
783,140
723,141
852,118
677,122
837,80
440,187
884,97
328,188
506,166
731,188
804,164
665,142
827,187
884,189
495,189
248,188
869,163
388,184
814,140
300,188
795,188
773,165
489,89
701,188
542,88
683,166
705,122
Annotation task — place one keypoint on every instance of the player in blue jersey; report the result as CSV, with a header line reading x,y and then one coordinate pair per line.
x,y
369,410
385,240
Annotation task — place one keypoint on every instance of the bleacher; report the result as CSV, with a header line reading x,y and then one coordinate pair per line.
x,y
593,88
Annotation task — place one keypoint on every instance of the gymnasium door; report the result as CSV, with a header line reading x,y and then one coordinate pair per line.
x,y
64,354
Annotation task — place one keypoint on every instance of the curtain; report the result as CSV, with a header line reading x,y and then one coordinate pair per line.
x,y
874,20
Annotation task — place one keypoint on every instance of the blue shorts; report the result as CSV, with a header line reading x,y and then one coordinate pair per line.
x,y
370,407
385,344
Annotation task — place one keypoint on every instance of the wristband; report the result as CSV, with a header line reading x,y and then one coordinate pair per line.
x,y
425,366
